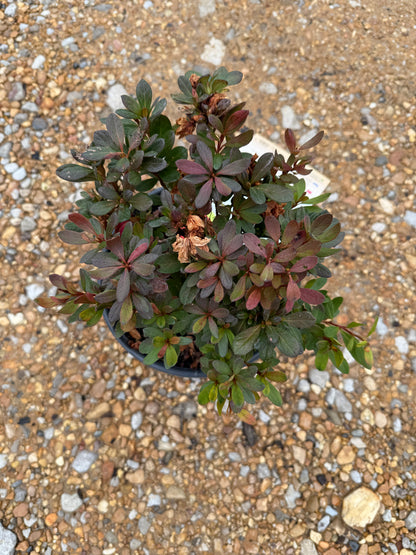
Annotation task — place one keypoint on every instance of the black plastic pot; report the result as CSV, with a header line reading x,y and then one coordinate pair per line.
x,y
173,371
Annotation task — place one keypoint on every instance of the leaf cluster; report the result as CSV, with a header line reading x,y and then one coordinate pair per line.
x,y
206,250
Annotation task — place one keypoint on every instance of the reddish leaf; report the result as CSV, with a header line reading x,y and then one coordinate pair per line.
x,y
290,232
235,121
290,141
304,264
233,245
273,227
72,237
285,255
190,167
142,269
239,289
239,166
252,242
204,194
221,187
195,267
311,296
210,271
253,299
123,286
140,249
81,221
205,153
218,292
312,142
277,268
204,283
116,247
292,291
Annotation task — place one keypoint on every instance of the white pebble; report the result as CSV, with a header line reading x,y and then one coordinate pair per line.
x,y
378,227
34,290
16,319
402,344
268,88
410,218
213,52
38,62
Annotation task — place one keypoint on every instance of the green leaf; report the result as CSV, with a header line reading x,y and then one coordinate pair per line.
x,y
289,341
199,324
168,263
102,207
171,357
300,320
237,396
75,173
245,340
273,395
373,327
126,311
203,396
152,356
141,202
275,192
144,94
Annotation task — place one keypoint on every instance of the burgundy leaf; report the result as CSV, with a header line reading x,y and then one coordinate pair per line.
x,y
190,167
159,285
58,281
81,221
253,299
290,141
220,313
123,286
277,268
139,250
204,283
253,244
225,278
204,194
235,121
116,247
293,291
205,153
273,228
213,328
311,296
233,245
239,166
210,271
218,292
290,232
285,255
304,264
221,187
312,142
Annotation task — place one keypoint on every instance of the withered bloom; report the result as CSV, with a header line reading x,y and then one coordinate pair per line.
x,y
186,246
274,209
185,127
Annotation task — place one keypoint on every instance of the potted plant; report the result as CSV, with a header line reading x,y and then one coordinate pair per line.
x,y
204,261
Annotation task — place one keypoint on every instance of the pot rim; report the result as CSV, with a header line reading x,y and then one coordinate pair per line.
x,y
158,365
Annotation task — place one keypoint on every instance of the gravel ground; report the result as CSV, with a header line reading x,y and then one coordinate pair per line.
x,y
99,455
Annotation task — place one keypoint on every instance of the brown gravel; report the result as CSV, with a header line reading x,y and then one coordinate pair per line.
x,y
170,477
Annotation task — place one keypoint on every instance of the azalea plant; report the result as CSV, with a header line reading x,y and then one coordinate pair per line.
x,y
207,257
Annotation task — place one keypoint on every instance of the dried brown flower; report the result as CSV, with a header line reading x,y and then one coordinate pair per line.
x,y
185,127
186,246
274,209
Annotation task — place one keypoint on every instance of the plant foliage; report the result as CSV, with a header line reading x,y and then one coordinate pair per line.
x,y
206,250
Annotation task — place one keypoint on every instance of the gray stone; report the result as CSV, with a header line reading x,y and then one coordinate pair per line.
x,y
83,461
381,160
8,541
144,525
307,547
30,107
66,42
323,523
410,218
27,224
234,457
70,502
39,124
289,118
268,88
114,96
206,7
356,476
19,174
337,398
11,167
3,460
213,52
290,496
38,62
136,420
11,10
187,410
263,471
304,476
318,378
34,290
135,544
154,500
379,227
281,516
303,386
17,92
73,95
5,149
402,345
381,327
